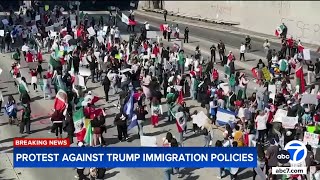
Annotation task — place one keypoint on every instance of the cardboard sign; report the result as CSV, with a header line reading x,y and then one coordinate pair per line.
x,y
306,54
266,74
1,32
311,139
5,21
309,99
289,122
200,119
152,34
37,18
148,141
279,115
91,31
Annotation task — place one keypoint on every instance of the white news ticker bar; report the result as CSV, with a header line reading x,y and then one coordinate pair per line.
x,y
289,170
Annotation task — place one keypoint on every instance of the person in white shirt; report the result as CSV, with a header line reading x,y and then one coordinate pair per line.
x,y
242,50
112,32
261,121
25,49
266,46
117,35
147,26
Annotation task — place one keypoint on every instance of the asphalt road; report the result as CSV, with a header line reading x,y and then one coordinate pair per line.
x,y
230,38
41,110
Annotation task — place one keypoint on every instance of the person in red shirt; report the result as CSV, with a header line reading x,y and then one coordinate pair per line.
x,y
29,57
34,79
290,42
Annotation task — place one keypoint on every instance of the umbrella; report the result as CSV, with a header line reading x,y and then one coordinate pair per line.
x,y
72,42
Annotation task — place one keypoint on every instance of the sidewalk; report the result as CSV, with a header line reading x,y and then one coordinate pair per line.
x,y
184,19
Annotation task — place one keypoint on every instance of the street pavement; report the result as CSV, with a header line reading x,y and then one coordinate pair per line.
x,y
41,110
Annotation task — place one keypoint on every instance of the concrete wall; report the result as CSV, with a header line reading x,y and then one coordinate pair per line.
x,y
301,18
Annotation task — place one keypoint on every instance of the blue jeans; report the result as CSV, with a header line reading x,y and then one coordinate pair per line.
x,y
167,173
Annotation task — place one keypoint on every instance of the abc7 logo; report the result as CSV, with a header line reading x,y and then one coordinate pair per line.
x,y
294,152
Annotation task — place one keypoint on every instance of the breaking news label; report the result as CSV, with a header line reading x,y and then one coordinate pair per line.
x,y
57,153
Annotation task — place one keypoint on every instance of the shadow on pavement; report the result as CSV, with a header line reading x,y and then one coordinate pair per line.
x,y
110,175
3,178
187,174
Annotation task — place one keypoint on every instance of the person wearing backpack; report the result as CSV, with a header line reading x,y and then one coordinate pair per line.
x,y
25,118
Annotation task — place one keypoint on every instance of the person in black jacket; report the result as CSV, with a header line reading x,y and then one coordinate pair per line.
x,y
69,127
102,121
121,122
95,124
141,118
106,86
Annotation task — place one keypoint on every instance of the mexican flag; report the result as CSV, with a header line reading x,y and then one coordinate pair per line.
x,y
89,99
60,101
279,30
128,21
180,97
78,120
179,121
85,134
53,62
23,88
164,27
300,80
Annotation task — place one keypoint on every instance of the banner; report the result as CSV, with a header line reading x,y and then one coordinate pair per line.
x,y
148,141
311,139
135,157
306,54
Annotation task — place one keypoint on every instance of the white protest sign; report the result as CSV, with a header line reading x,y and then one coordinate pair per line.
x,y
80,81
179,88
91,31
97,54
200,119
72,17
37,18
225,87
2,33
5,21
105,28
101,33
311,139
84,72
73,23
152,34
49,28
306,54
148,141
100,39
279,115
273,90
56,24
309,99
289,122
